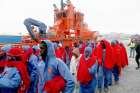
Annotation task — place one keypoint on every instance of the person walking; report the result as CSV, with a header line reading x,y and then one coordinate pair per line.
x,y
137,55
132,49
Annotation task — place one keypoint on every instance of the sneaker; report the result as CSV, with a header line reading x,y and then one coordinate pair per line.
x,y
110,84
116,82
106,90
137,68
99,91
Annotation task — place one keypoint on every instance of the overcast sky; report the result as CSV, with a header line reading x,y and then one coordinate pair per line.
x,y
105,16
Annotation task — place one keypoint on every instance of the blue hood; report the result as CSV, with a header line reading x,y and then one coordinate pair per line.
x,y
36,47
57,67
50,46
6,48
25,47
113,42
55,45
88,49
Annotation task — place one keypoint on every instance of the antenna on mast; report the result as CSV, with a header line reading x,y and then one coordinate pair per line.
x,y
62,5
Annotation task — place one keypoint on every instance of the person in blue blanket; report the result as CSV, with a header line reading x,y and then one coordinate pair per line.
x,y
14,78
3,52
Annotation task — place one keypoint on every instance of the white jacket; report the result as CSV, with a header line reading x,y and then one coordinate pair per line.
x,y
73,65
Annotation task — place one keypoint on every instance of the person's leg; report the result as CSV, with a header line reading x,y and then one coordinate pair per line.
x,y
100,79
77,88
94,85
105,84
137,61
110,77
81,89
106,79
130,53
116,74
133,52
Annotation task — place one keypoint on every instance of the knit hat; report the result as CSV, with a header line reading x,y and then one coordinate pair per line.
x,y
76,51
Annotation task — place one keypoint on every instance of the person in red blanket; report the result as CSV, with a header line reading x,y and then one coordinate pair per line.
x,y
104,55
14,78
3,51
87,69
117,58
58,51
82,46
67,56
124,56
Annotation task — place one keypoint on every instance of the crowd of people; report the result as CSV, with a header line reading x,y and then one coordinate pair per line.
x,y
51,67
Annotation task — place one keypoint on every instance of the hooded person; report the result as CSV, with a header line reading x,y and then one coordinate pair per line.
x,y
87,69
132,46
58,52
74,66
31,62
56,75
82,46
75,61
124,56
36,50
137,55
3,54
88,43
25,47
104,55
67,55
36,54
26,52
117,60
32,69
4,50
14,78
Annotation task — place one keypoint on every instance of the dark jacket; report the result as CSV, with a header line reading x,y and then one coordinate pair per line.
x,y
137,49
